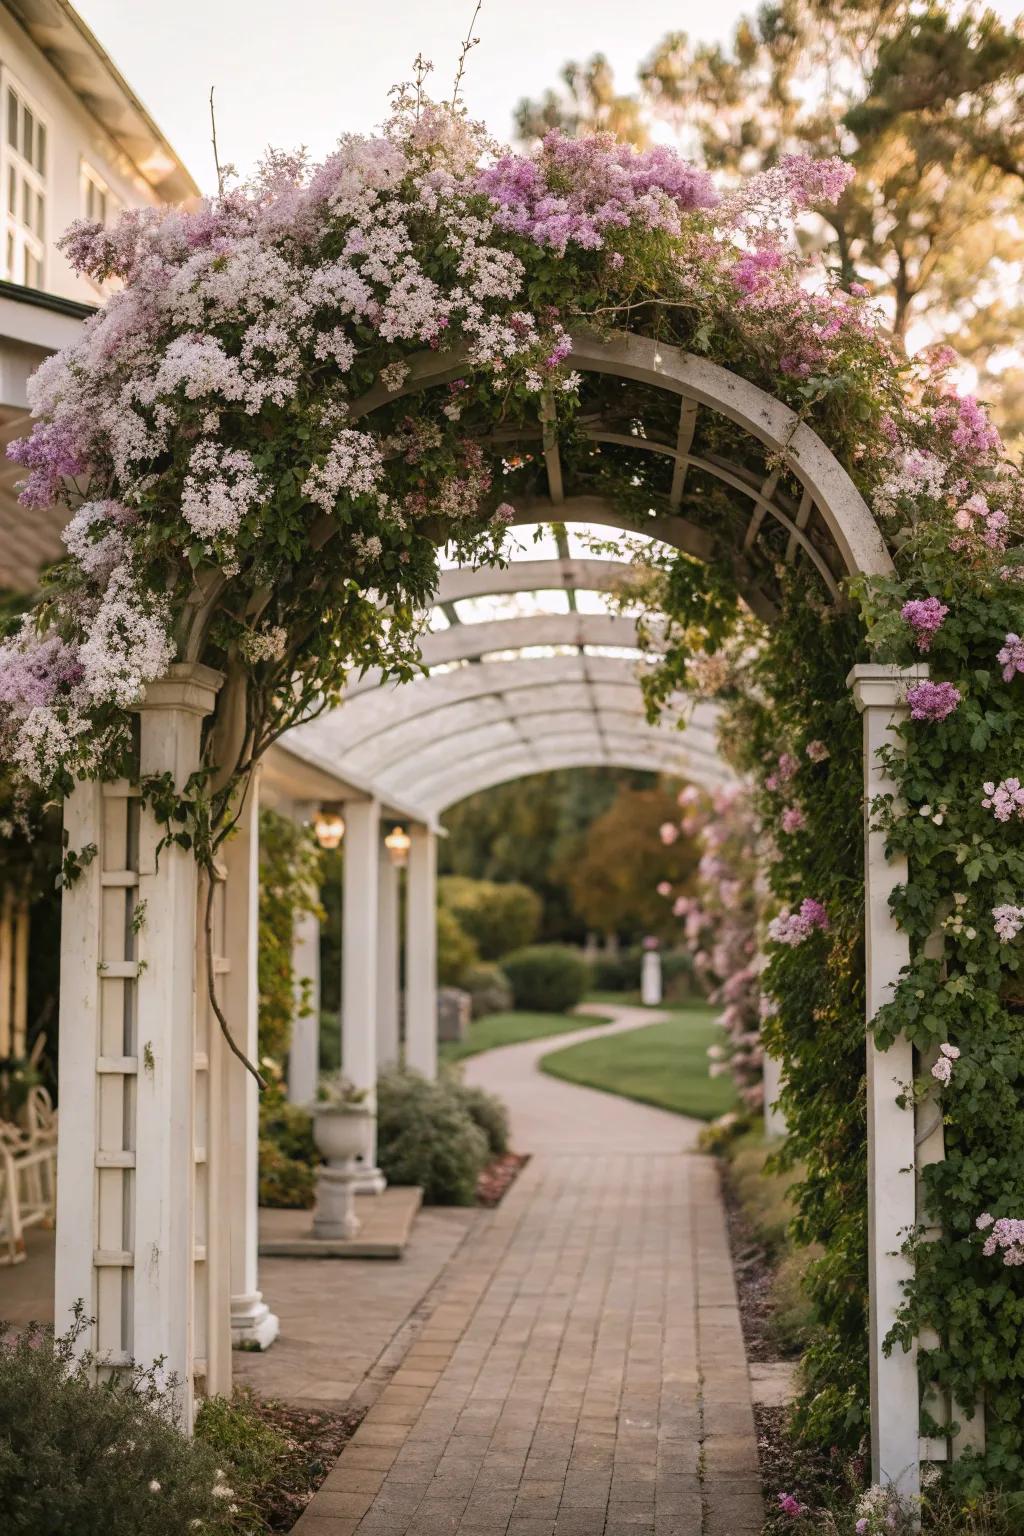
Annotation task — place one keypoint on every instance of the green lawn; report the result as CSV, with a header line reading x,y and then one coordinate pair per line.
x,y
509,1028
663,1064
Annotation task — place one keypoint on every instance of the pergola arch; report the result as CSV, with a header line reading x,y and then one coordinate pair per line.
x,y
791,501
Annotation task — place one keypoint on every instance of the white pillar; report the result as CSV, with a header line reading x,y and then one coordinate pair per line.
x,y
304,1052
359,965
879,693
421,953
132,1235
774,1119
650,978
253,1325
387,960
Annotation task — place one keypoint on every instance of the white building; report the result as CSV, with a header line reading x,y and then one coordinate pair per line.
x,y
75,142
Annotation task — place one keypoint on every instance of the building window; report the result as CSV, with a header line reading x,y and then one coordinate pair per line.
x,y
99,205
25,201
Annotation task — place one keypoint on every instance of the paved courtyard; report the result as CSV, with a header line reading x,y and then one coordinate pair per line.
x,y
579,1369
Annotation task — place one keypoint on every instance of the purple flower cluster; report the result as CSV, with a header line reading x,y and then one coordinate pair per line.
x,y
577,190
1011,657
1007,1234
933,701
943,1068
925,617
793,928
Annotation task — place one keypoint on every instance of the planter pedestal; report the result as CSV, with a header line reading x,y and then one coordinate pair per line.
x,y
335,1213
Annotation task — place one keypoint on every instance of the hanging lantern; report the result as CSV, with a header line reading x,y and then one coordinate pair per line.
x,y
329,827
398,842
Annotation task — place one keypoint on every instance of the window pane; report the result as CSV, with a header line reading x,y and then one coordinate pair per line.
x,y
26,133
12,192
40,214
10,257
40,149
26,204
12,119
101,213
33,270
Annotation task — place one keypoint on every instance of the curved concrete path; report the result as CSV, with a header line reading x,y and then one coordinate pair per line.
x,y
580,1368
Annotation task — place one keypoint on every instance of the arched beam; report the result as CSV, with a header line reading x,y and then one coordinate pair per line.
x,y
504,767
415,767
465,642
589,575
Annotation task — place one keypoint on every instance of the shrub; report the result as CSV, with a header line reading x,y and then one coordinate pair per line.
x,y
547,978
97,1459
488,987
456,951
617,973
426,1136
497,917
287,1153
487,1111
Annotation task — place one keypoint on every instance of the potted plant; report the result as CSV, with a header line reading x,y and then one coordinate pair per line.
x,y
340,1112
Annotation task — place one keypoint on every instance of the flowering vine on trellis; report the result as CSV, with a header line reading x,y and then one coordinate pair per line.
x,y
254,481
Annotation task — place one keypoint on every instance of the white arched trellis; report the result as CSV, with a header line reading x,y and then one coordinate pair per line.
x,y
144,1167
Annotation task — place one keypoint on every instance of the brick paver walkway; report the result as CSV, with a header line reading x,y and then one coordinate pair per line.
x,y
581,1369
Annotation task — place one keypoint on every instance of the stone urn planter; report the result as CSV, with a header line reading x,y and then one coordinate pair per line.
x,y
342,1124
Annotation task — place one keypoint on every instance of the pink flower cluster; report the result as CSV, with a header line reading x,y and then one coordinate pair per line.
x,y
943,1068
817,751
1005,799
793,819
787,768
579,190
1007,1234
933,701
1009,920
793,928
1011,657
925,617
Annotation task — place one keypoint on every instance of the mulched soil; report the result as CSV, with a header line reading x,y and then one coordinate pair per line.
x,y
497,1177
316,1437
753,1276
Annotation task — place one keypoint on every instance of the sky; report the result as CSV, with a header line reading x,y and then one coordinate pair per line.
x,y
303,72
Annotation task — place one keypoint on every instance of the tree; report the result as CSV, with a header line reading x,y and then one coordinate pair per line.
x,y
614,880
927,103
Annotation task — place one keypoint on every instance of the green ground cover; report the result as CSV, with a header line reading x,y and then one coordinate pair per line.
x,y
509,1029
661,1064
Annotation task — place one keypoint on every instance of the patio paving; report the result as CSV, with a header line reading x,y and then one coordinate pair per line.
x,y
579,1367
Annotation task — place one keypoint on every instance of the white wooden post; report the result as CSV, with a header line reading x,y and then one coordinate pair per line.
x,y
253,1325
359,966
304,1051
774,1119
879,693
650,978
421,953
388,894
169,1245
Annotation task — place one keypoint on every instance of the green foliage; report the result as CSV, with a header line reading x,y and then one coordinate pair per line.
x,y
456,951
531,831
240,1438
287,1153
426,1136
614,876
289,877
547,977
498,918
488,987
487,1112
98,1459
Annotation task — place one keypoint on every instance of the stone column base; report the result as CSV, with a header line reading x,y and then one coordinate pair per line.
x,y
253,1325
369,1181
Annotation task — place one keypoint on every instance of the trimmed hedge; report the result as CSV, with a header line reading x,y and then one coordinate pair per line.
x,y
547,978
489,989
498,917
426,1136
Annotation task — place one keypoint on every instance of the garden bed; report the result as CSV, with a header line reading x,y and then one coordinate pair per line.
x,y
498,1177
315,1439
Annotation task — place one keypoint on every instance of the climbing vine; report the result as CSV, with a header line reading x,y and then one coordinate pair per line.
x,y
290,863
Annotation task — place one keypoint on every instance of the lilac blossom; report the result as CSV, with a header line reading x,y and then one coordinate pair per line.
x,y
925,617
793,819
792,928
1009,920
817,751
933,701
1005,1233
1011,657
